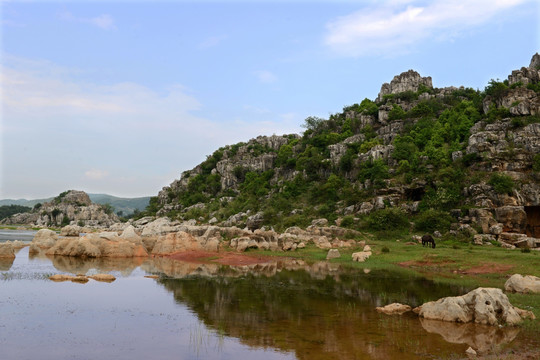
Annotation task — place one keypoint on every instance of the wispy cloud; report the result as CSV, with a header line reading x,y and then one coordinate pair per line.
x,y
103,21
396,26
265,76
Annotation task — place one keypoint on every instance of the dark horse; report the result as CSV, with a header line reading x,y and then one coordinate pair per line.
x,y
426,239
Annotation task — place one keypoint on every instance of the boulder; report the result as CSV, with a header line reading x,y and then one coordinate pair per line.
x,y
130,235
333,254
44,239
395,308
70,230
254,222
319,222
7,251
361,256
488,306
523,284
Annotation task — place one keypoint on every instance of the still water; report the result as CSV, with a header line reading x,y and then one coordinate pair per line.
x,y
279,310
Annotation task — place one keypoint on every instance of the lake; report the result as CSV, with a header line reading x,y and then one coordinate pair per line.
x,y
285,309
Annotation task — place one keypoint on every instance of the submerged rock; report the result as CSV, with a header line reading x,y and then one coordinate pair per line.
x,y
395,308
103,277
489,306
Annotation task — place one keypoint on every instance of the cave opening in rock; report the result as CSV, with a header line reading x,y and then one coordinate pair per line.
x,y
533,221
415,194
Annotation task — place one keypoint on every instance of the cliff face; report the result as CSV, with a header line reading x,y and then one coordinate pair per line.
x,y
416,148
69,207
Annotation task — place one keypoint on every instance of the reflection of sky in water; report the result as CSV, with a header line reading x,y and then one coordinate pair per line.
x,y
23,235
131,318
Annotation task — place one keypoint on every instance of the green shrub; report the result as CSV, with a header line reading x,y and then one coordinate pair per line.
x,y
388,219
65,221
502,184
385,249
347,221
536,163
431,220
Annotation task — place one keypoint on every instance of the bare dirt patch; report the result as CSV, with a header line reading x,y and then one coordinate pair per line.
x,y
224,258
487,268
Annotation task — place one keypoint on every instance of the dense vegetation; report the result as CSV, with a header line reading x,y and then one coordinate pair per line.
x,y
428,161
8,210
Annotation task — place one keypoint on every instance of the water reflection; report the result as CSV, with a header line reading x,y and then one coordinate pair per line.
x,y
77,265
313,310
479,337
316,310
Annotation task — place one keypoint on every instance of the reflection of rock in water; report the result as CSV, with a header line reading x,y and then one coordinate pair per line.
x,y
479,337
77,265
6,263
181,269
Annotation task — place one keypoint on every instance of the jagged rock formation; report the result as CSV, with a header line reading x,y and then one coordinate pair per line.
x,y
69,207
472,155
406,81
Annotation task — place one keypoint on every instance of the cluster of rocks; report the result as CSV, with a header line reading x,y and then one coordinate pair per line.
x,y
73,206
161,236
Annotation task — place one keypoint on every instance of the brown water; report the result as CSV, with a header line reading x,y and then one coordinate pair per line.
x,y
286,310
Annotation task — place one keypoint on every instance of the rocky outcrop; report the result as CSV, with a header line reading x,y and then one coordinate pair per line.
x,y
97,245
406,81
488,306
69,207
182,241
523,284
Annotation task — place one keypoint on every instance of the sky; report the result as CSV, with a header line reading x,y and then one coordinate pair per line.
x,y
122,97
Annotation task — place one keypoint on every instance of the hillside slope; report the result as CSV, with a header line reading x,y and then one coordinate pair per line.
x,y
436,156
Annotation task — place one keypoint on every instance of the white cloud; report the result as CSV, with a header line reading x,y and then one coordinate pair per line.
x,y
104,134
103,21
395,26
265,76
96,174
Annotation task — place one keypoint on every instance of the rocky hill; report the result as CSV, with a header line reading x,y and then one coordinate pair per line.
x,y
70,207
126,206
444,158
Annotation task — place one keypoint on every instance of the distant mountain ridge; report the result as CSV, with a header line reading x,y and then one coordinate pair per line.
x,y
125,205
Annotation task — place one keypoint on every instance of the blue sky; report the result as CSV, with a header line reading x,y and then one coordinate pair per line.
x,y
121,97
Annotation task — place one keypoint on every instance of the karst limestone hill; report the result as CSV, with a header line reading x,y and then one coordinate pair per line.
x,y
447,158
70,207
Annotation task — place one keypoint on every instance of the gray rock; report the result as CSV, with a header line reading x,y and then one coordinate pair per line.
x,y
487,306
523,284
333,254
